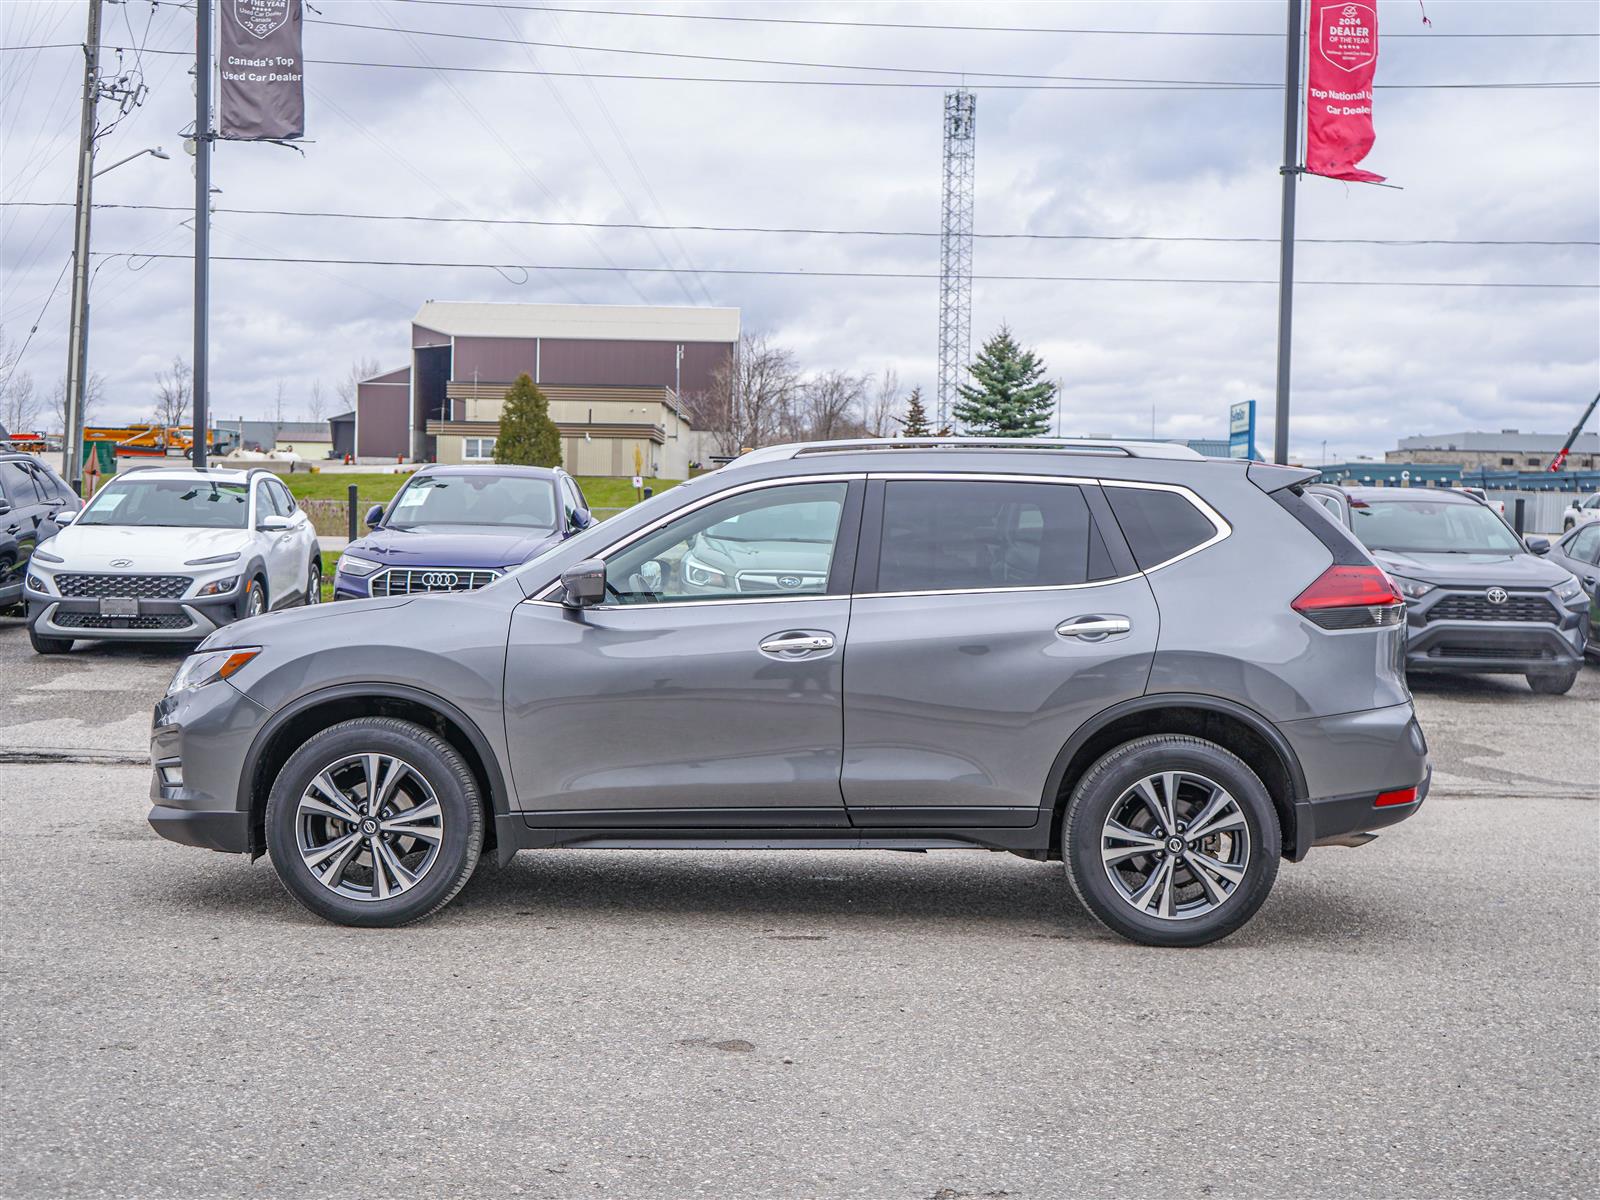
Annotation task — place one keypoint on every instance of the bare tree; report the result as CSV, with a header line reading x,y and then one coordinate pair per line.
x,y
19,403
830,407
316,402
361,368
93,392
277,406
881,415
174,393
751,396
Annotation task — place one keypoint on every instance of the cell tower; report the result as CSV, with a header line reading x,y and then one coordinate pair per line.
x,y
955,248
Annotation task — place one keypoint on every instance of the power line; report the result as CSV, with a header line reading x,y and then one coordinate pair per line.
x,y
1530,85
608,12
789,230
34,328
782,273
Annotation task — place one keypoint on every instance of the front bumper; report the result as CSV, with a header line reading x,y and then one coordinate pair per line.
x,y
198,746
183,619
1496,646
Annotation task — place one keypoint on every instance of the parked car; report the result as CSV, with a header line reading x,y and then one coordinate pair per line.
x,y
33,498
1478,598
172,554
1579,552
1170,672
456,529
1584,508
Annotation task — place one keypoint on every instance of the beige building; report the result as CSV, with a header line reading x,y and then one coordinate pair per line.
x,y
1508,450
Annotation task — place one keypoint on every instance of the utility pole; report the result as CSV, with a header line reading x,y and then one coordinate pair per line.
x,y
77,336
202,226
1291,176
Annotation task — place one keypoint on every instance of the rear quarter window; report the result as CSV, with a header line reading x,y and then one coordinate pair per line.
x,y
1158,525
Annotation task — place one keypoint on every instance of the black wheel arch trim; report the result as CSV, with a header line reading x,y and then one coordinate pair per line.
x,y
499,797
1249,717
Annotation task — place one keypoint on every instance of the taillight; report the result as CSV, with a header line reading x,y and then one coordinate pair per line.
x,y
1351,597
1389,799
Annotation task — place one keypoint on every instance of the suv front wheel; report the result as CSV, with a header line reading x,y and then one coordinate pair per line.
x,y
1171,841
375,822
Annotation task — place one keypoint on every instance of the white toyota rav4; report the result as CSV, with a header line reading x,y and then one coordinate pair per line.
x,y
171,554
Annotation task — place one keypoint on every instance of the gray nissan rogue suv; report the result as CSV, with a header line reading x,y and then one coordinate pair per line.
x,y
1167,671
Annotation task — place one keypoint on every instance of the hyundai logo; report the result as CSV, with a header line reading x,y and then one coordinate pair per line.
x,y
122,562
789,581
1497,595
440,579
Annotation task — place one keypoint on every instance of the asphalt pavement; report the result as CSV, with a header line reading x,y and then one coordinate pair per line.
x,y
1418,1017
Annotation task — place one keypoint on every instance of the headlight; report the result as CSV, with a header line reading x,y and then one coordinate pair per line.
x,y
214,560
209,666
46,556
700,575
1411,589
350,565
38,584
1571,589
219,587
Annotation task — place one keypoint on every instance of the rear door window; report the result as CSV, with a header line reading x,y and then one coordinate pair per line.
x,y
1585,545
17,486
976,535
1159,525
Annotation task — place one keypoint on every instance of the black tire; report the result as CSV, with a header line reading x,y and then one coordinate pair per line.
x,y
48,645
314,581
1566,526
255,593
433,759
1557,683
1109,784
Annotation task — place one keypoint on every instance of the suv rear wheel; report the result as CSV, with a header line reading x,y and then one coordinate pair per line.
x,y
1171,841
375,822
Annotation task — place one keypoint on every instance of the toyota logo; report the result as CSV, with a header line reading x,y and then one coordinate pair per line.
x,y
122,562
789,581
440,579
1497,595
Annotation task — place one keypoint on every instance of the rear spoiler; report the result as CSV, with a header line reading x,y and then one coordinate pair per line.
x,y
1270,477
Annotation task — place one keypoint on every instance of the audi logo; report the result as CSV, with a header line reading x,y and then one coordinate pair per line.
x,y
440,579
1497,595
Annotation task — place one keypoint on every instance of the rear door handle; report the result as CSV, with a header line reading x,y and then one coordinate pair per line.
x,y
798,642
1094,628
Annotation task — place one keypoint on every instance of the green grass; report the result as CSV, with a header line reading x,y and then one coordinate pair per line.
x,y
600,491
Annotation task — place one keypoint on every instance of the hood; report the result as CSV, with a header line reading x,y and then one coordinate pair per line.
x,y
453,545
154,550
253,630
1513,570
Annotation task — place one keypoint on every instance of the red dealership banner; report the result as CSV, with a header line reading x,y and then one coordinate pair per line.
x,y
1342,59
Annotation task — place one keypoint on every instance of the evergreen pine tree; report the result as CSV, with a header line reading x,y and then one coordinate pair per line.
x,y
1008,395
916,424
528,436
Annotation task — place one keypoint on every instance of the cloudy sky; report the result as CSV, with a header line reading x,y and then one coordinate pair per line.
x,y
1372,363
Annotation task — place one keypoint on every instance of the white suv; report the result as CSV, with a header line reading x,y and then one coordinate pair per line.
x,y
171,554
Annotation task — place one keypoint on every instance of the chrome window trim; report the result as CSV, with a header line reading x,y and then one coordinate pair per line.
x,y
1218,522
549,589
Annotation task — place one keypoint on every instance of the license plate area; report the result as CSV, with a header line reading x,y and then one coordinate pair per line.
x,y
119,606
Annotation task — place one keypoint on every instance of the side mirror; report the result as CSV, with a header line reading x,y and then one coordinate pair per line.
x,y
273,524
374,516
584,583
66,516
1538,545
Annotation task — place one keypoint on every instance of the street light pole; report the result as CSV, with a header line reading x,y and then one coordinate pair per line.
x,y
77,334
202,227
1291,176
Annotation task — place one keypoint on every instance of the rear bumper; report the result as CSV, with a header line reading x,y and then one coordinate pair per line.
x,y
1320,822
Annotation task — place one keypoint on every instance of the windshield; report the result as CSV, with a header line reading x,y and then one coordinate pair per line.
x,y
515,500
178,503
1431,527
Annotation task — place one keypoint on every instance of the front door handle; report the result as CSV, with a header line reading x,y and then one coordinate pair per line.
x,y
1093,628
797,643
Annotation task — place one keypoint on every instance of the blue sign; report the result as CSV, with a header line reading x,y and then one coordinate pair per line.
x,y
1242,430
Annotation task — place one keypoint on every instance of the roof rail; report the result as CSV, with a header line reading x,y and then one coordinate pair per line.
x,y
1105,448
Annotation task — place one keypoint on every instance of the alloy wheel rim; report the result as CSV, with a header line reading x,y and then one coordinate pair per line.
x,y
314,590
1175,846
369,827
256,604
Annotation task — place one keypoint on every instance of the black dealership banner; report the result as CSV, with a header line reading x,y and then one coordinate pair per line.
x,y
263,80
